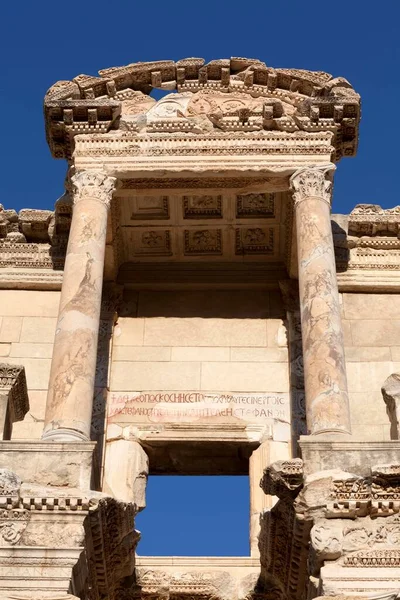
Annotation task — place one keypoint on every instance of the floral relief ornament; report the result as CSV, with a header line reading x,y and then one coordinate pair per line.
x,y
94,185
312,182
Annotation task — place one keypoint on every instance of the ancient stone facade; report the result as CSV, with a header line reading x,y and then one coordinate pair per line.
x,y
191,306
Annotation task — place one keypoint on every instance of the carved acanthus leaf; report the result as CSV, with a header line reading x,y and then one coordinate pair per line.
x,y
94,185
312,182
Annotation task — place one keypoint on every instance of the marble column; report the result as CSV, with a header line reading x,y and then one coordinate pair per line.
x,y
327,403
70,394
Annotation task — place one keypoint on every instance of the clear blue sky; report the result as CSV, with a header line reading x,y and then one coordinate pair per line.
x,y
42,42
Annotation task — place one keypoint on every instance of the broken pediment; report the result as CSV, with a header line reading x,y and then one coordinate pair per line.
x,y
223,96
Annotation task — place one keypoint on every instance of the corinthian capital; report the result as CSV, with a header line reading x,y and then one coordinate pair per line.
x,y
93,184
312,182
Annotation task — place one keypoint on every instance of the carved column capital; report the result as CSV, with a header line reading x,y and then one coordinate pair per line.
x,y
93,184
312,182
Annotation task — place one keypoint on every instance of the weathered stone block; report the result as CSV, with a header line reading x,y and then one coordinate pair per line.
x,y
29,303
141,353
128,482
49,463
38,329
200,353
10,329
155,376
245,376
129,332
205,332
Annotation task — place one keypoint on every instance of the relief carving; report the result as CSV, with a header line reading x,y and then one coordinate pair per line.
x,y
12,525
203,242
312,183
94,185
255,205
255,240
202,207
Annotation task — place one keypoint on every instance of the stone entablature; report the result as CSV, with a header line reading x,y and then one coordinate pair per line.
x,y
260,98
35,239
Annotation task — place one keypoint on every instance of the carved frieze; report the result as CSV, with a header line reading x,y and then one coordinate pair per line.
x,y
367,239
13,523
372,220
34,239
236,95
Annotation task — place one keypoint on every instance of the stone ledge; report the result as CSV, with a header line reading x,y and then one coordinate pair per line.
x,y
49,463
354,456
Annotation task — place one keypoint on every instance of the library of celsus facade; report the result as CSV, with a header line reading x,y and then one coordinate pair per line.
x,y
192,307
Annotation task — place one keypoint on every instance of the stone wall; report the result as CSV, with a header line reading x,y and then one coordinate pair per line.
x,y
27,326
201,341
211,341
371,328
213,363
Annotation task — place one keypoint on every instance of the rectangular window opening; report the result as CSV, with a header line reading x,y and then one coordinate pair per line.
x,y
202,515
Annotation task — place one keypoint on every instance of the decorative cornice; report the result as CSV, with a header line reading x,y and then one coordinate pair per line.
x,y
94,185
95,104
312,182
372,220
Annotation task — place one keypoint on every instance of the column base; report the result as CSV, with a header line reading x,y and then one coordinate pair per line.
x,y
64,435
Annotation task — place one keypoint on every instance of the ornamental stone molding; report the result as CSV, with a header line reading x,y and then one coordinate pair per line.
x,y
225,96
14,401
93,185
350,522
312,182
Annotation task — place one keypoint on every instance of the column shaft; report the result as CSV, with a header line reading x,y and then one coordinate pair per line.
x,y
70,394
327,404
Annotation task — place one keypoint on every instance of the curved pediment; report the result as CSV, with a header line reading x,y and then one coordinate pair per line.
x,y
228,95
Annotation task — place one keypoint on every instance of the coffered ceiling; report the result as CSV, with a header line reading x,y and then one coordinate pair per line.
x,y
194,227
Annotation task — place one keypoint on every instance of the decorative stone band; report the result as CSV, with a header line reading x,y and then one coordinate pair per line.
x,y
312,182
95,185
